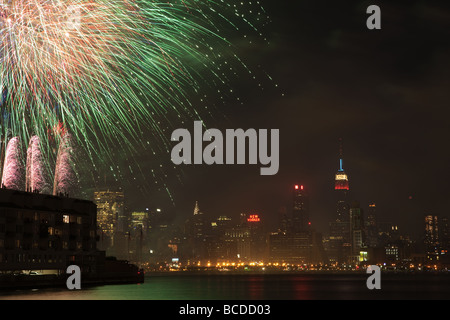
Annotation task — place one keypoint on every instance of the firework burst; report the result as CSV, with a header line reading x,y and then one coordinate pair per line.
x,y
112,72
13,168
64,182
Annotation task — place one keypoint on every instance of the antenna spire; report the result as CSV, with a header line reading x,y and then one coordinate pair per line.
x,y
341,179
341,155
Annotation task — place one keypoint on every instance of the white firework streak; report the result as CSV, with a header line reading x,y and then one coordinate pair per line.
x,y
64,171
36,178
12,177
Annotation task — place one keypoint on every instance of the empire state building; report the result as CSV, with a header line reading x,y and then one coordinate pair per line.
x,y
341,187
339,246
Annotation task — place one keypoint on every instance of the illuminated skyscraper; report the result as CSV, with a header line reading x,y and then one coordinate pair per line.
x,y
340,242
111,219
432,246
138,233
198,223
196,209
341,187
445,237
258,241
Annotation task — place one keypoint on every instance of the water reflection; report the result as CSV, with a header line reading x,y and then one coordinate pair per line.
x,y
250,287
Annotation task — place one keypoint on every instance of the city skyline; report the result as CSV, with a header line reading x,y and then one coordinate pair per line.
x,y
355,238
319,216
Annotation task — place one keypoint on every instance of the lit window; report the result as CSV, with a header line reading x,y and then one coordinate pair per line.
x,y
66,218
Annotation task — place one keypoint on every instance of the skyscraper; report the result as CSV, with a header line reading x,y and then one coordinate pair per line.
x,y
445,236
300,212
111,218
341,187
339,248
258,241
356,230
283,219
139,234
198,227
299,242
196,233
432,246
371,226
197,209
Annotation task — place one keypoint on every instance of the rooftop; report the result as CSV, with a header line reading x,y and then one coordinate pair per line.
x,y
36,201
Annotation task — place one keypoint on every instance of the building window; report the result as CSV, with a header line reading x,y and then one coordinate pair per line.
x,y
66,219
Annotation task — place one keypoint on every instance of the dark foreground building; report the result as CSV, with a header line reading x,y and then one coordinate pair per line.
x,y
43,234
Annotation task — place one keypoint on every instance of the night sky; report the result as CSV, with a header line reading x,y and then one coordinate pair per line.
x,y
385,92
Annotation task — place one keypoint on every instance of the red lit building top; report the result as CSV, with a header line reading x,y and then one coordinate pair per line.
x,y
341,181
253,218
341,178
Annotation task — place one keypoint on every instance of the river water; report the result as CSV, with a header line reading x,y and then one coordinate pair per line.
x,y
289,286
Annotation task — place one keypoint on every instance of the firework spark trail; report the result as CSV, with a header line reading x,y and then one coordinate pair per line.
x,y
36,177
13,169
64,171
110,71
